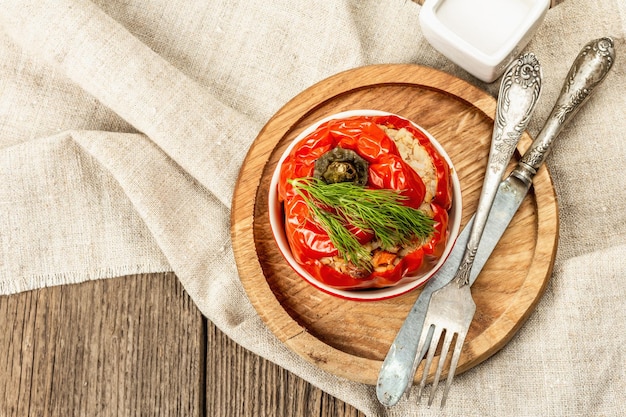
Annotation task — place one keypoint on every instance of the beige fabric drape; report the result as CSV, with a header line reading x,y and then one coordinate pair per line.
x,y
123,125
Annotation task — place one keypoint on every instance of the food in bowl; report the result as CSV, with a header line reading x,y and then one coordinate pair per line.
x,y
366,201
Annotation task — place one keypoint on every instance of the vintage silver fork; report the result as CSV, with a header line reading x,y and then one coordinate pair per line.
x,y
452,308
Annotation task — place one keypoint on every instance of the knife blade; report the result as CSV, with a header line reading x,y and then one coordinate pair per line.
x,y
587,71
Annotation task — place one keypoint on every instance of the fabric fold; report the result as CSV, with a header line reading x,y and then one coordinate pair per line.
x,y
107,61
47,187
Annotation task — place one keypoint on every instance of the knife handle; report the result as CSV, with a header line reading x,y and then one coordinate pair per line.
x,y
587,71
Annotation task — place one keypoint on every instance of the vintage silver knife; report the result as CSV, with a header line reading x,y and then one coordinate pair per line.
x,y
587,71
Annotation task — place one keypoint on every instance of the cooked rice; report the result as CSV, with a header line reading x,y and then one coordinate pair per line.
x,y
418,158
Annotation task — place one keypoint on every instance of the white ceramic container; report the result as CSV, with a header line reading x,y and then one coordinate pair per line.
x,y
481,36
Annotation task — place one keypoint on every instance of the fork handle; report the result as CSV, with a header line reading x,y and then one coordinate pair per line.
x,y
519,92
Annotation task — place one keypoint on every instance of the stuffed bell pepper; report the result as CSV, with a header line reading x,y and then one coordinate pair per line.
x,y
366,202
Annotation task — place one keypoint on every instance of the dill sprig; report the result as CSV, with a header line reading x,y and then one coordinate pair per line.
x,y
377,211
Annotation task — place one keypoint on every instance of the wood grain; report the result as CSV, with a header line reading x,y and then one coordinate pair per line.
x,y
137,346
350,338
242,384
113,347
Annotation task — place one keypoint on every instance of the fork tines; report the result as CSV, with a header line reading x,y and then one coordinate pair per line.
x,y
450,314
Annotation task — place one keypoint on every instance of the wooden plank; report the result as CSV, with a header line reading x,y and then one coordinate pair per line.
x,y
136,346
126,346
242,384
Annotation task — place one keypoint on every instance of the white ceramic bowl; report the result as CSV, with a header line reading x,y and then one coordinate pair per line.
x,y
481,36
407,283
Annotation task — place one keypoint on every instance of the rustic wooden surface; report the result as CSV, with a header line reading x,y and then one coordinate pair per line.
x,y
351,338
134,346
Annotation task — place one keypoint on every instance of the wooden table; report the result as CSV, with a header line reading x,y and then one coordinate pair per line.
x,y
135,346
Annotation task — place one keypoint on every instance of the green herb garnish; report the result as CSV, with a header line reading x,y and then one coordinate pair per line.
x,y
377,211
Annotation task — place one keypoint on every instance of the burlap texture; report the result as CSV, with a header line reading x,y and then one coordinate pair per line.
x,y
123,125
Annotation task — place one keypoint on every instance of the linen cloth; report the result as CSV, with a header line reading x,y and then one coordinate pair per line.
x,y
123,125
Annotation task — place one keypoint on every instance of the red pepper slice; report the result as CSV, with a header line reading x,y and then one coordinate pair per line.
x,y
309,242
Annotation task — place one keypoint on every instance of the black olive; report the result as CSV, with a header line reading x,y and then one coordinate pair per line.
x,y
341,165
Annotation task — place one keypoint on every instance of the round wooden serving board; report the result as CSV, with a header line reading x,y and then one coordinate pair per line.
x,y
351,338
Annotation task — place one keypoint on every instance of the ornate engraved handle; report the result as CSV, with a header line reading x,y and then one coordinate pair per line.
x,y
588,70
519,91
